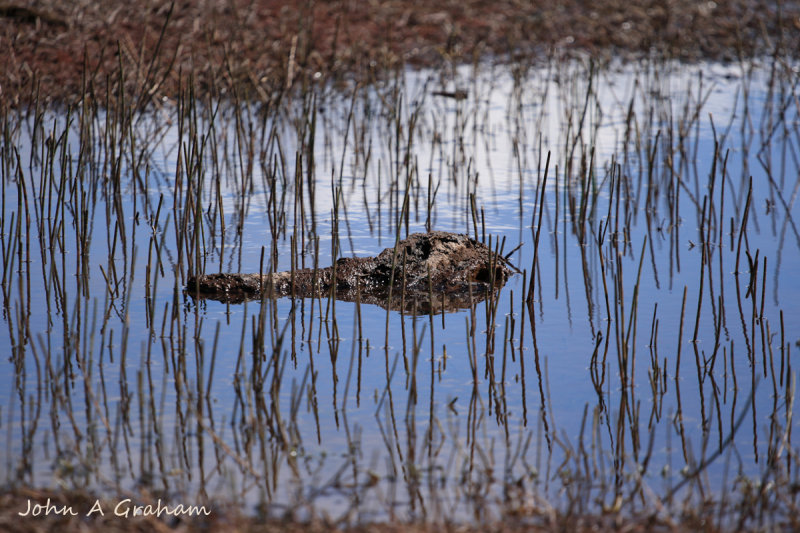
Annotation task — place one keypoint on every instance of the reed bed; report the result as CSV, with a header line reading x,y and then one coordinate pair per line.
x,y
639,365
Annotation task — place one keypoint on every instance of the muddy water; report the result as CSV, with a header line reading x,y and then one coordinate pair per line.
x,y
628,352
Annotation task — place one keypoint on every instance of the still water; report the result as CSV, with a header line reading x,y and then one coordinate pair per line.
x,y
645,351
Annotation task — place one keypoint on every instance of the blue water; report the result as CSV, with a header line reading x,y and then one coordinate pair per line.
x,y
105,384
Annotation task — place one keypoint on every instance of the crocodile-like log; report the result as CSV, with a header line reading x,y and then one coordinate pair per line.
x,y
435,271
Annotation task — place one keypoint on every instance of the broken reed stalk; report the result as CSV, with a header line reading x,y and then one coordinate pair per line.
x,y
680,335
531,288
743,226
703,259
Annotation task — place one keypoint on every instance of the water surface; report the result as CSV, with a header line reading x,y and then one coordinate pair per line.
x,y
645,350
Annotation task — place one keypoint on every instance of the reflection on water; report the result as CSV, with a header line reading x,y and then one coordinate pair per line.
x,y
643,354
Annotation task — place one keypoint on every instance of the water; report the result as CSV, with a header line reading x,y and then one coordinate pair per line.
x,y
608,385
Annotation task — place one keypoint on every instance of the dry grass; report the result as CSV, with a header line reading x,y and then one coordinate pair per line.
x,y
63,50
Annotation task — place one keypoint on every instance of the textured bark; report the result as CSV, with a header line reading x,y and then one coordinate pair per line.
x,y
435,271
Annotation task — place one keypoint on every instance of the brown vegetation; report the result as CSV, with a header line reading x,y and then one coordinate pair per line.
x,y
64,50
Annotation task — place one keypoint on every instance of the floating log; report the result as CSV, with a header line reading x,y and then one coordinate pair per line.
x,y
436,271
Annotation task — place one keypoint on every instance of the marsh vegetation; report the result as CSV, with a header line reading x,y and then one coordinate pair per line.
x,y
639,364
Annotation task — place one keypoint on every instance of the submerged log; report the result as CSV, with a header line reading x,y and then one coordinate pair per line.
x,y
435,271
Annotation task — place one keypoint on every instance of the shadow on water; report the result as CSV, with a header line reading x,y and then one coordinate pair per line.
x,y
639,361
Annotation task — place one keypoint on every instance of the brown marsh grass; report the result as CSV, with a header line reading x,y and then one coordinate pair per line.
x,y
637,371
